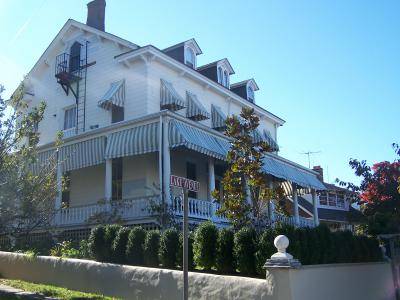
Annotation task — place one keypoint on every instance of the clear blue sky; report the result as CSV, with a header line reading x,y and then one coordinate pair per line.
x,y
331,69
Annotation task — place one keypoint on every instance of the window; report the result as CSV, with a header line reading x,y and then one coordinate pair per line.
x,y
117,179
220,75
75,57
332,199
66,192
190,58
117,114
340,200
323,199
223,77
226,79
250,94
191,174
70,118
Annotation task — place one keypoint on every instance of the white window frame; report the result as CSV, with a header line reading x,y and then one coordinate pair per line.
x,y
252,98
223,76
187,57
70,122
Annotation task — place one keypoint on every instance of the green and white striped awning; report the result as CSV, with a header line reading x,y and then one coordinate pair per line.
x,y
44,160
114,96
195,110
265,137
275,166
133,141
218,118
181,134
169,97
82,154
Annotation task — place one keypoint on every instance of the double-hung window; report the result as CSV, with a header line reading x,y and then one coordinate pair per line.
x,y
70,118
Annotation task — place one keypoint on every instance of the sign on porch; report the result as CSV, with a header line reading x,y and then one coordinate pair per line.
x,y
183,182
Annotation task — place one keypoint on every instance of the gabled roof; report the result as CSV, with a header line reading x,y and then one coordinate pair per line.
x,y
192,43
223,61
84,28
251,81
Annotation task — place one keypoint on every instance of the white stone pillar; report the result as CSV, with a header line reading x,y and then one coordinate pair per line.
x,y
58,200
211,178
315,207
166,162
271,204
295,205
108,181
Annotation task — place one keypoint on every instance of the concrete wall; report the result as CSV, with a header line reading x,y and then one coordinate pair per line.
x,y
372,281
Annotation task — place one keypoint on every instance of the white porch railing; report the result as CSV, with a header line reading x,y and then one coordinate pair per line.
x,y
139,208
69,132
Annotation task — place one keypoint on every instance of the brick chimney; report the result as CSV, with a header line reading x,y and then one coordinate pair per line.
x,y
320,171
96,14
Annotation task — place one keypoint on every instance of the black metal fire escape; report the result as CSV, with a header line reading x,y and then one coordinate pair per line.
x,y
71,74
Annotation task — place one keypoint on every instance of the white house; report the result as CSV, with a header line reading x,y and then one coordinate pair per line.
x,y
132,115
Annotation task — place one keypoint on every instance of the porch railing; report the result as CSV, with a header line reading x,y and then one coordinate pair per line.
x,y
140,208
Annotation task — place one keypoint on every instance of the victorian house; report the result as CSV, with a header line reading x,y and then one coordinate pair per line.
x,y
133,115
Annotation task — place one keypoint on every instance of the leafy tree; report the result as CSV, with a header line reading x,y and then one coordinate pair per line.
x,y
26,196
245,192
378,194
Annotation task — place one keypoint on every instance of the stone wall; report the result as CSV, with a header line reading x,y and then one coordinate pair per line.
x,y
352,281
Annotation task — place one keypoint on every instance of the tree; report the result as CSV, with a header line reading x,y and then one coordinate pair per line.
x,y
245,192
378,193
26,194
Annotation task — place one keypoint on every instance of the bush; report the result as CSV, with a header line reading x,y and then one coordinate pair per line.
x,y
84,249
190,251
204,247
109,236
245,249
119,246
97,243
65,250
225,260
265,249
169,247
323,235
135,245
151,246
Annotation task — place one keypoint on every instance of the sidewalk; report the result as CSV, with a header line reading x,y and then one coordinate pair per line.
x,y
21,294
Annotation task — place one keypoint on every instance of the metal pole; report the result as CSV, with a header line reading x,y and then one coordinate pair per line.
x,y
185,245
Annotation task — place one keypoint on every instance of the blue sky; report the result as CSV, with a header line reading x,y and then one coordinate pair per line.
x,y
331,69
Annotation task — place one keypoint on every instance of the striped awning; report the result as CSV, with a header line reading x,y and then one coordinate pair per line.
x,y
195,110
169,97
283,170
44,160
114,96
181,134
133,141
265,137
82,154
218,118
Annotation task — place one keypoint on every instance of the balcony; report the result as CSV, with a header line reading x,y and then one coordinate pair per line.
x,y
138,210
69,132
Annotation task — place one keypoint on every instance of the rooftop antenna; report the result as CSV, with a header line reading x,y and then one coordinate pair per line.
x,y
309,153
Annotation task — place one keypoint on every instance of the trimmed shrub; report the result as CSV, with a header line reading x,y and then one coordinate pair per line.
x,y
97,243
245,249
169,247
375,252
323,236
151,246
265,249
119,246
109,235
190,251
135,246
204,247
225,260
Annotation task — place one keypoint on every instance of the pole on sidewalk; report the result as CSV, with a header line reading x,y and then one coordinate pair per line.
x,y
185,245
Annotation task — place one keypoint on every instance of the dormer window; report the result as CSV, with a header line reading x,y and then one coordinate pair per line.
x,y
190,58
223,77
250,94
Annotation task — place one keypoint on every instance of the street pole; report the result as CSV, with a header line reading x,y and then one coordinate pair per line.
x,y
185,245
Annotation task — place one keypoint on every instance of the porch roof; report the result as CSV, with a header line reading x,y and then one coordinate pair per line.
x,y
115,95
280,169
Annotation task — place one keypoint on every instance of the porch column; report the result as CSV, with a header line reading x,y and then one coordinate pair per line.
x,y
295,205
211,178
271,205
248,193
315,206
108,181
58,200
166,162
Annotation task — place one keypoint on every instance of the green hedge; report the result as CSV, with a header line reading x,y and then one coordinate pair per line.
x,y
227,252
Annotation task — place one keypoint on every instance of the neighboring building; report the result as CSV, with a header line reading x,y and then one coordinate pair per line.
x,y
132,115
334,206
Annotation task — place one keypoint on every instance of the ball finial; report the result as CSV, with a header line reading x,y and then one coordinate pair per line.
x,y
281,242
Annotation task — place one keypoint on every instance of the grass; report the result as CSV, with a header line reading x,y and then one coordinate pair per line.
x,y
49,291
